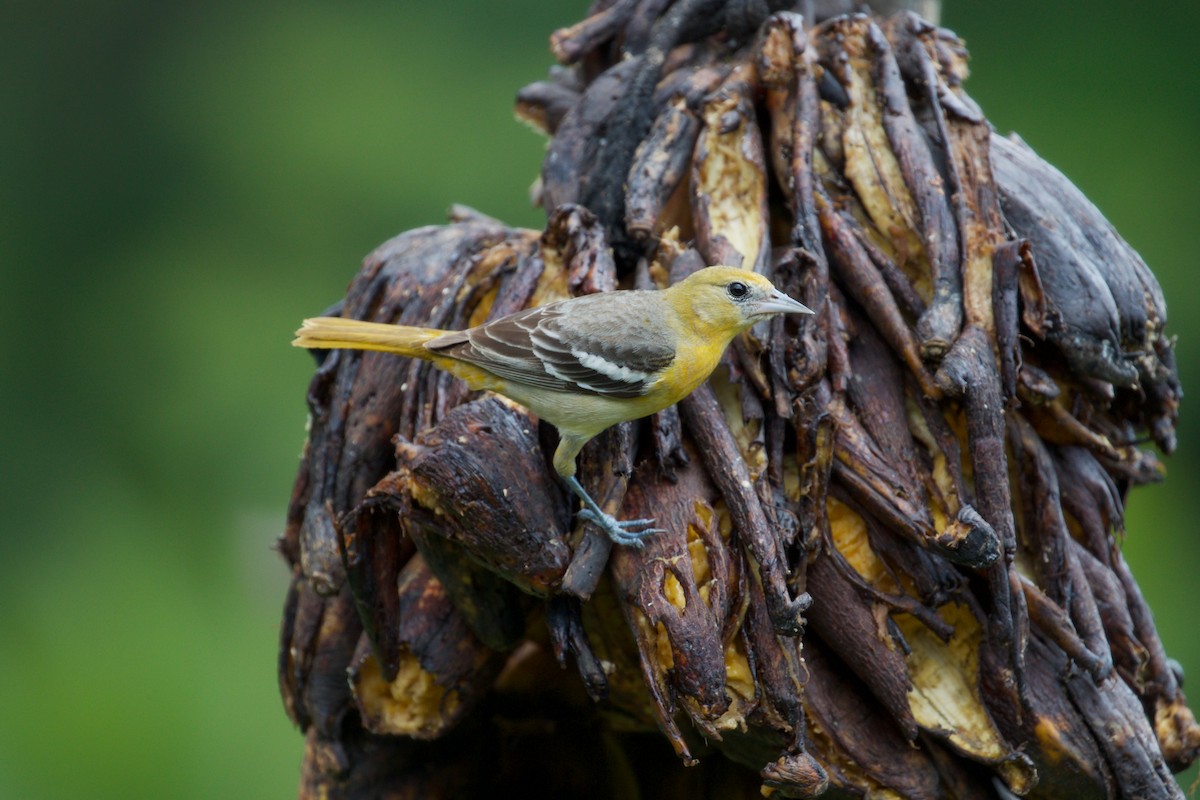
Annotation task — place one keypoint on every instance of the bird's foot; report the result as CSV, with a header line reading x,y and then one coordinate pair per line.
x,y
629,532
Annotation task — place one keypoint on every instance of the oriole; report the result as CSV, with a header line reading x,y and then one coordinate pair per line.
x,y
586,363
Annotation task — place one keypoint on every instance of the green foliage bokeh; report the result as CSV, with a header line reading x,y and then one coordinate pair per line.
x,y
181,183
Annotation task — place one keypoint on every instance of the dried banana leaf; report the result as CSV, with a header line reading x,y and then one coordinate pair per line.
x,y
891,562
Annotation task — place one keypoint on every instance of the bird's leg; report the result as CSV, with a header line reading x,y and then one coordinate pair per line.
x,y
631,532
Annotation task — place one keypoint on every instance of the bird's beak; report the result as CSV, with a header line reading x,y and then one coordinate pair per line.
x,y
780,303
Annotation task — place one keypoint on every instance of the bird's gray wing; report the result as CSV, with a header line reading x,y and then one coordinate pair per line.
x,y
587,344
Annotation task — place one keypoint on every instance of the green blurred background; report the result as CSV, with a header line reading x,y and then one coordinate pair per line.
x,y
181,182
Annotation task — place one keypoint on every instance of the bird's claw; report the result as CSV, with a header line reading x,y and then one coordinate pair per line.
x,y
628,532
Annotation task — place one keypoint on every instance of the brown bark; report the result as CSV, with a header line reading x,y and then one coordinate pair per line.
x,y
889,564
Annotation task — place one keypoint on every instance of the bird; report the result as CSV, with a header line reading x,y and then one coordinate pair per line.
x,y
586,363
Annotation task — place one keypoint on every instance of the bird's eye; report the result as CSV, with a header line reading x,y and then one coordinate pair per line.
x,y
738,290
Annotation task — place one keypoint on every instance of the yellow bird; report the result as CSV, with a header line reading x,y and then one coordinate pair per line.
x,y
586,363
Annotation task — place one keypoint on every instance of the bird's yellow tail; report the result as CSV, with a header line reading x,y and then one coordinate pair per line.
x,y
327,333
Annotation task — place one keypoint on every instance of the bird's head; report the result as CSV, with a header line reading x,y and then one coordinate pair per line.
x,y
729,300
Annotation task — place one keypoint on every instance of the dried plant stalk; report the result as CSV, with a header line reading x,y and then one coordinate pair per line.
x,y
891,563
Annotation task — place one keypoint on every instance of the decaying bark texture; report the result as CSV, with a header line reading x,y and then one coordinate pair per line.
x,y
890,565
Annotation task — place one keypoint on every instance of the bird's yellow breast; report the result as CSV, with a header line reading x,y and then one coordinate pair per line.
x,y
694,362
